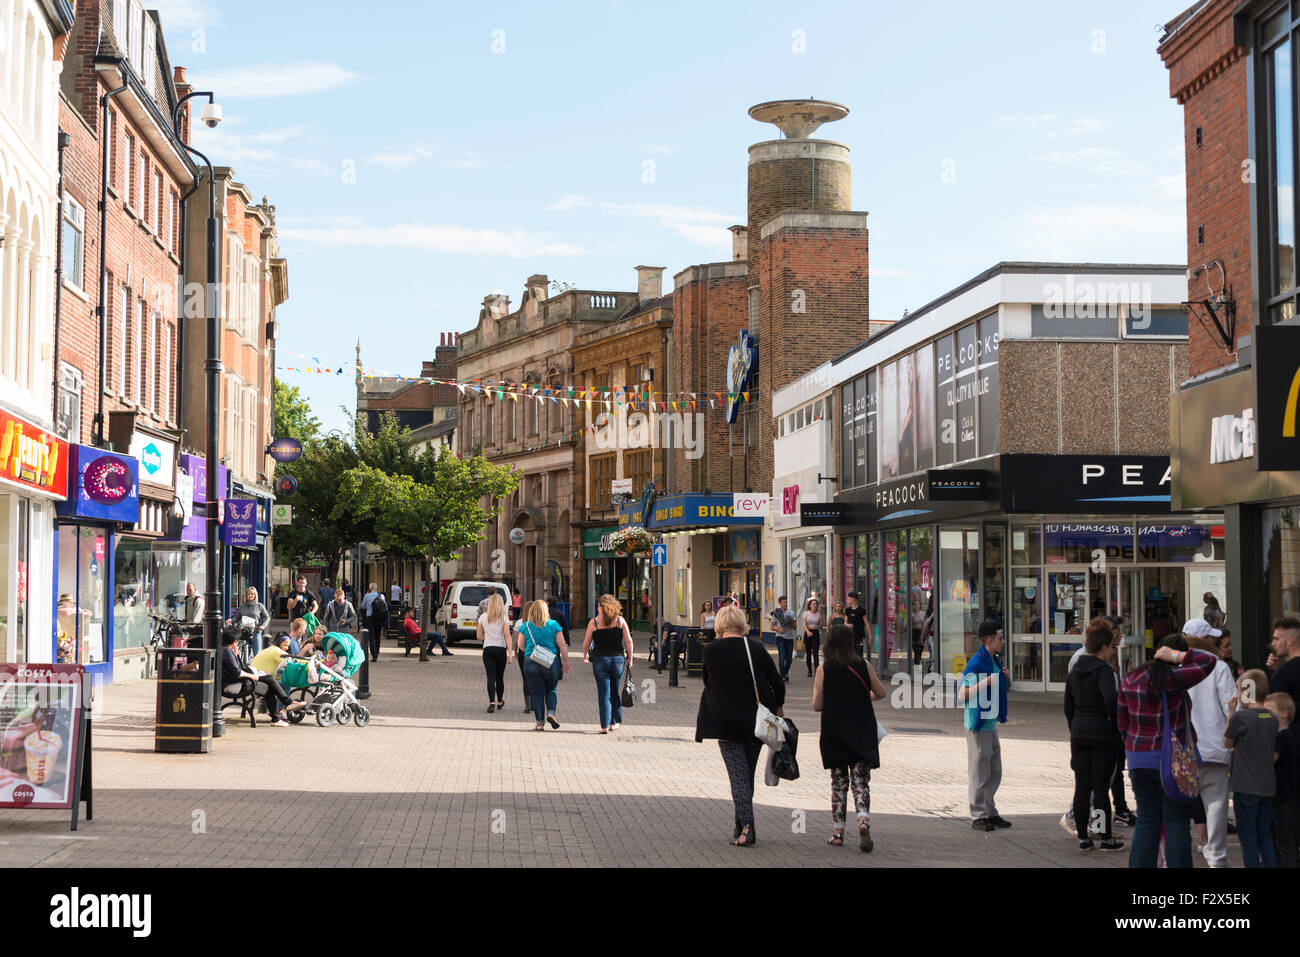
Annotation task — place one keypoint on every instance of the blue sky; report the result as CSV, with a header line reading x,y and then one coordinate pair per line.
x,y
492,141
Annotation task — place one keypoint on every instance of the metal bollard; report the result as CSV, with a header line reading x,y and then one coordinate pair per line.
x,y
363,683
674,646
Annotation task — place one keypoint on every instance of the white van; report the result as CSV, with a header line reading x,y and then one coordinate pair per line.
x,y
457,616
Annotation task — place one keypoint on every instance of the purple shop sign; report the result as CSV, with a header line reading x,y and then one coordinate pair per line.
x,y
240,527
195,466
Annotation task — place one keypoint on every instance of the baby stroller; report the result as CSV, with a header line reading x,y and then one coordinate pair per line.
x,y
331,697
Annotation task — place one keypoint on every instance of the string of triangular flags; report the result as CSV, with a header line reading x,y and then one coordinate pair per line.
x,y
499,389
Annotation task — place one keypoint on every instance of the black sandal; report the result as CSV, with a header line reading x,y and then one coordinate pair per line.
x,y
491,707
746,838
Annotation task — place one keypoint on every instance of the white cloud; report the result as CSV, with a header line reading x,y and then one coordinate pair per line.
x,y
701,226
567,203
1089,154
1040,121
258,150
662,150
441,238
702,235
1170,188
178,15
422,153
276,79
1097,232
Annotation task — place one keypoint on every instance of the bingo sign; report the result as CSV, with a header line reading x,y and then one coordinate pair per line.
x,y
240,526
40,752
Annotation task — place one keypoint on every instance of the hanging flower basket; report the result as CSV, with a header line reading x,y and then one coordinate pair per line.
x,y
631,540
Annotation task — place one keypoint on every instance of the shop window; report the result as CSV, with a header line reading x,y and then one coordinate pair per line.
x,y
959,595
1180,543
1277,39
13,578
1026,545
1281,539
133,595
1085,544
83,576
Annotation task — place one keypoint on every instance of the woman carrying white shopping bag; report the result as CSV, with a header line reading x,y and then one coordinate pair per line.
x,y
741,688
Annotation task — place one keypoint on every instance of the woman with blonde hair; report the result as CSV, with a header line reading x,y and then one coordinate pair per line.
x,y
541,643
738,673
706,616
494,631
607,644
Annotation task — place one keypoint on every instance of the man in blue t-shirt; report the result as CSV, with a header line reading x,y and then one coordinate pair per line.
x,y
983,694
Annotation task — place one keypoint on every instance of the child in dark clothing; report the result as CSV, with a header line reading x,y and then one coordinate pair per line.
x,y
1252,735
1286,803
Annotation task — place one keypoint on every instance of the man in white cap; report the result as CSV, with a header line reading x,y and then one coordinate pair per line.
x,y
1210,701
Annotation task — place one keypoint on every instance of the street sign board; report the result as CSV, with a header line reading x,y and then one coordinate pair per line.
x,y
660,555
281,514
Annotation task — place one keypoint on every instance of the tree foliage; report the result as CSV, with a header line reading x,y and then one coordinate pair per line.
x,y
379,489
293,418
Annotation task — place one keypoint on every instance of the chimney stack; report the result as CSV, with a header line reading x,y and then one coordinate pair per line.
x,y
182,87
739,243
536,286
496,305
649,283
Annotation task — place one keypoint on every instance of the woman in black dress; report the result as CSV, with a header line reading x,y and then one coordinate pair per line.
x,y
843,689
738,673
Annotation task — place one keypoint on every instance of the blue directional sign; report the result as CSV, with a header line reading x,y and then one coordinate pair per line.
x,y
660,555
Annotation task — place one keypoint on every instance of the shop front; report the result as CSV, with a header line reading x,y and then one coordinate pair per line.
x,y
135,581
179,559
1236,449
103,498
714,550
627,577
805,555
1042,543
246,529
33,478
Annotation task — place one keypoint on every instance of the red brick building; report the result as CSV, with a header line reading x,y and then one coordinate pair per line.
x,y
119,326
1233,68
798,285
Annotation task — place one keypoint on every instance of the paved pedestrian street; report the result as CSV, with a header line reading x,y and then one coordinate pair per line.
x,y
435,781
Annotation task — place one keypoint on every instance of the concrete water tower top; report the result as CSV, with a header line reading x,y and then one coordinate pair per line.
x,y
798,119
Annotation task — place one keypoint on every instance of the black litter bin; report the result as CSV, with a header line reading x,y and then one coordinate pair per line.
x,y
183,720
695,643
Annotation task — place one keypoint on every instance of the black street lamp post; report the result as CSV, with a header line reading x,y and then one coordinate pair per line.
x,y
212,603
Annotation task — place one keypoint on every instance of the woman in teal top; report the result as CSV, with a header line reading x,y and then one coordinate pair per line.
x,y
538,630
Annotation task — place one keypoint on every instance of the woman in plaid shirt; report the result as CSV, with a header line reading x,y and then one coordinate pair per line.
x,y
1173,670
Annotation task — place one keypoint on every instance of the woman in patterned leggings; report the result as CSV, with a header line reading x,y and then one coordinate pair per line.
x,y
729,705
843,689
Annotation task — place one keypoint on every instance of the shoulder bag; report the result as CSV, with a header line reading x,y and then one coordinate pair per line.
x,y
880,728
628,695
768,727
1179,773
540,654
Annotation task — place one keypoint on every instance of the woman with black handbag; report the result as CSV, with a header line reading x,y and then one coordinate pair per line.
x,y
608,643
738,675
843,689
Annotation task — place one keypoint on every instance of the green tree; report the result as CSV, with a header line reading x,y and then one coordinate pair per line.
x,y
434,515
316,530
293,418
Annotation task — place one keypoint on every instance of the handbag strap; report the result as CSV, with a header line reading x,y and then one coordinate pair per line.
x,y
1168,727
861,680
753,676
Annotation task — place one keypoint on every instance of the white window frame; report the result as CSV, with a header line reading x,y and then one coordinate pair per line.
x,y
134,26
71,383
74,215
149,54
165,373
123,300
159,192
128,168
